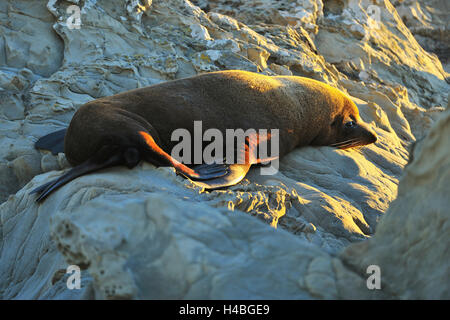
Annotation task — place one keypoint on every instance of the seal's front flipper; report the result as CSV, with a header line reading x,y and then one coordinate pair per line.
x,y
154,153
53,142
88,166
236,172
246,156
210,171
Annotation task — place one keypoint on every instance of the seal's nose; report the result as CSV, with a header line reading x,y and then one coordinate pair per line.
x,y
369,135
372,137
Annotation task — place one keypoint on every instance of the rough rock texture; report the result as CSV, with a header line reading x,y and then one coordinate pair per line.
x,y
160,245
429,23
147,233
412,238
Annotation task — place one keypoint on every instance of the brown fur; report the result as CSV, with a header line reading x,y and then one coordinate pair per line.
x,y
137,125
303,109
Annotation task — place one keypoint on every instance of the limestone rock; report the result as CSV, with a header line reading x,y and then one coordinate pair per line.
x,y
179,245
124,226
411,242
428,22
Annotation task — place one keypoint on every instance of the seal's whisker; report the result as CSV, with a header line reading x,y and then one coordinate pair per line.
x,y
349,144
343,142
338,144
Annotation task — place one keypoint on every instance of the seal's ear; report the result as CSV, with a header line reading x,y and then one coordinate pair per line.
x,y
336,121
53,142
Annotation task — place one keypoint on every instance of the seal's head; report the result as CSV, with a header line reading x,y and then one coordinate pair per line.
x,y
346,128
349,130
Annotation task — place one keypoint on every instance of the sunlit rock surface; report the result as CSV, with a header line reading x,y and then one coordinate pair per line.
x,y
412,238
143,241
147,233
428,21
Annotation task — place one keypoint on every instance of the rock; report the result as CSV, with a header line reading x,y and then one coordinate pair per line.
x,y
179,246
411,243
428,22
32,21
116,223
133,247
374,38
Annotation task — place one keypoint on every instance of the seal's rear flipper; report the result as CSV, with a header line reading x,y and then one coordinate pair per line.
x,y
53,142
42,187
86,167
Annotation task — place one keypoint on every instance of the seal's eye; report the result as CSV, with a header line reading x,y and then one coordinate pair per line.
x,y
350,124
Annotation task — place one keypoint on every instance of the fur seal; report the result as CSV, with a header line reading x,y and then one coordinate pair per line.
x,y
136,125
